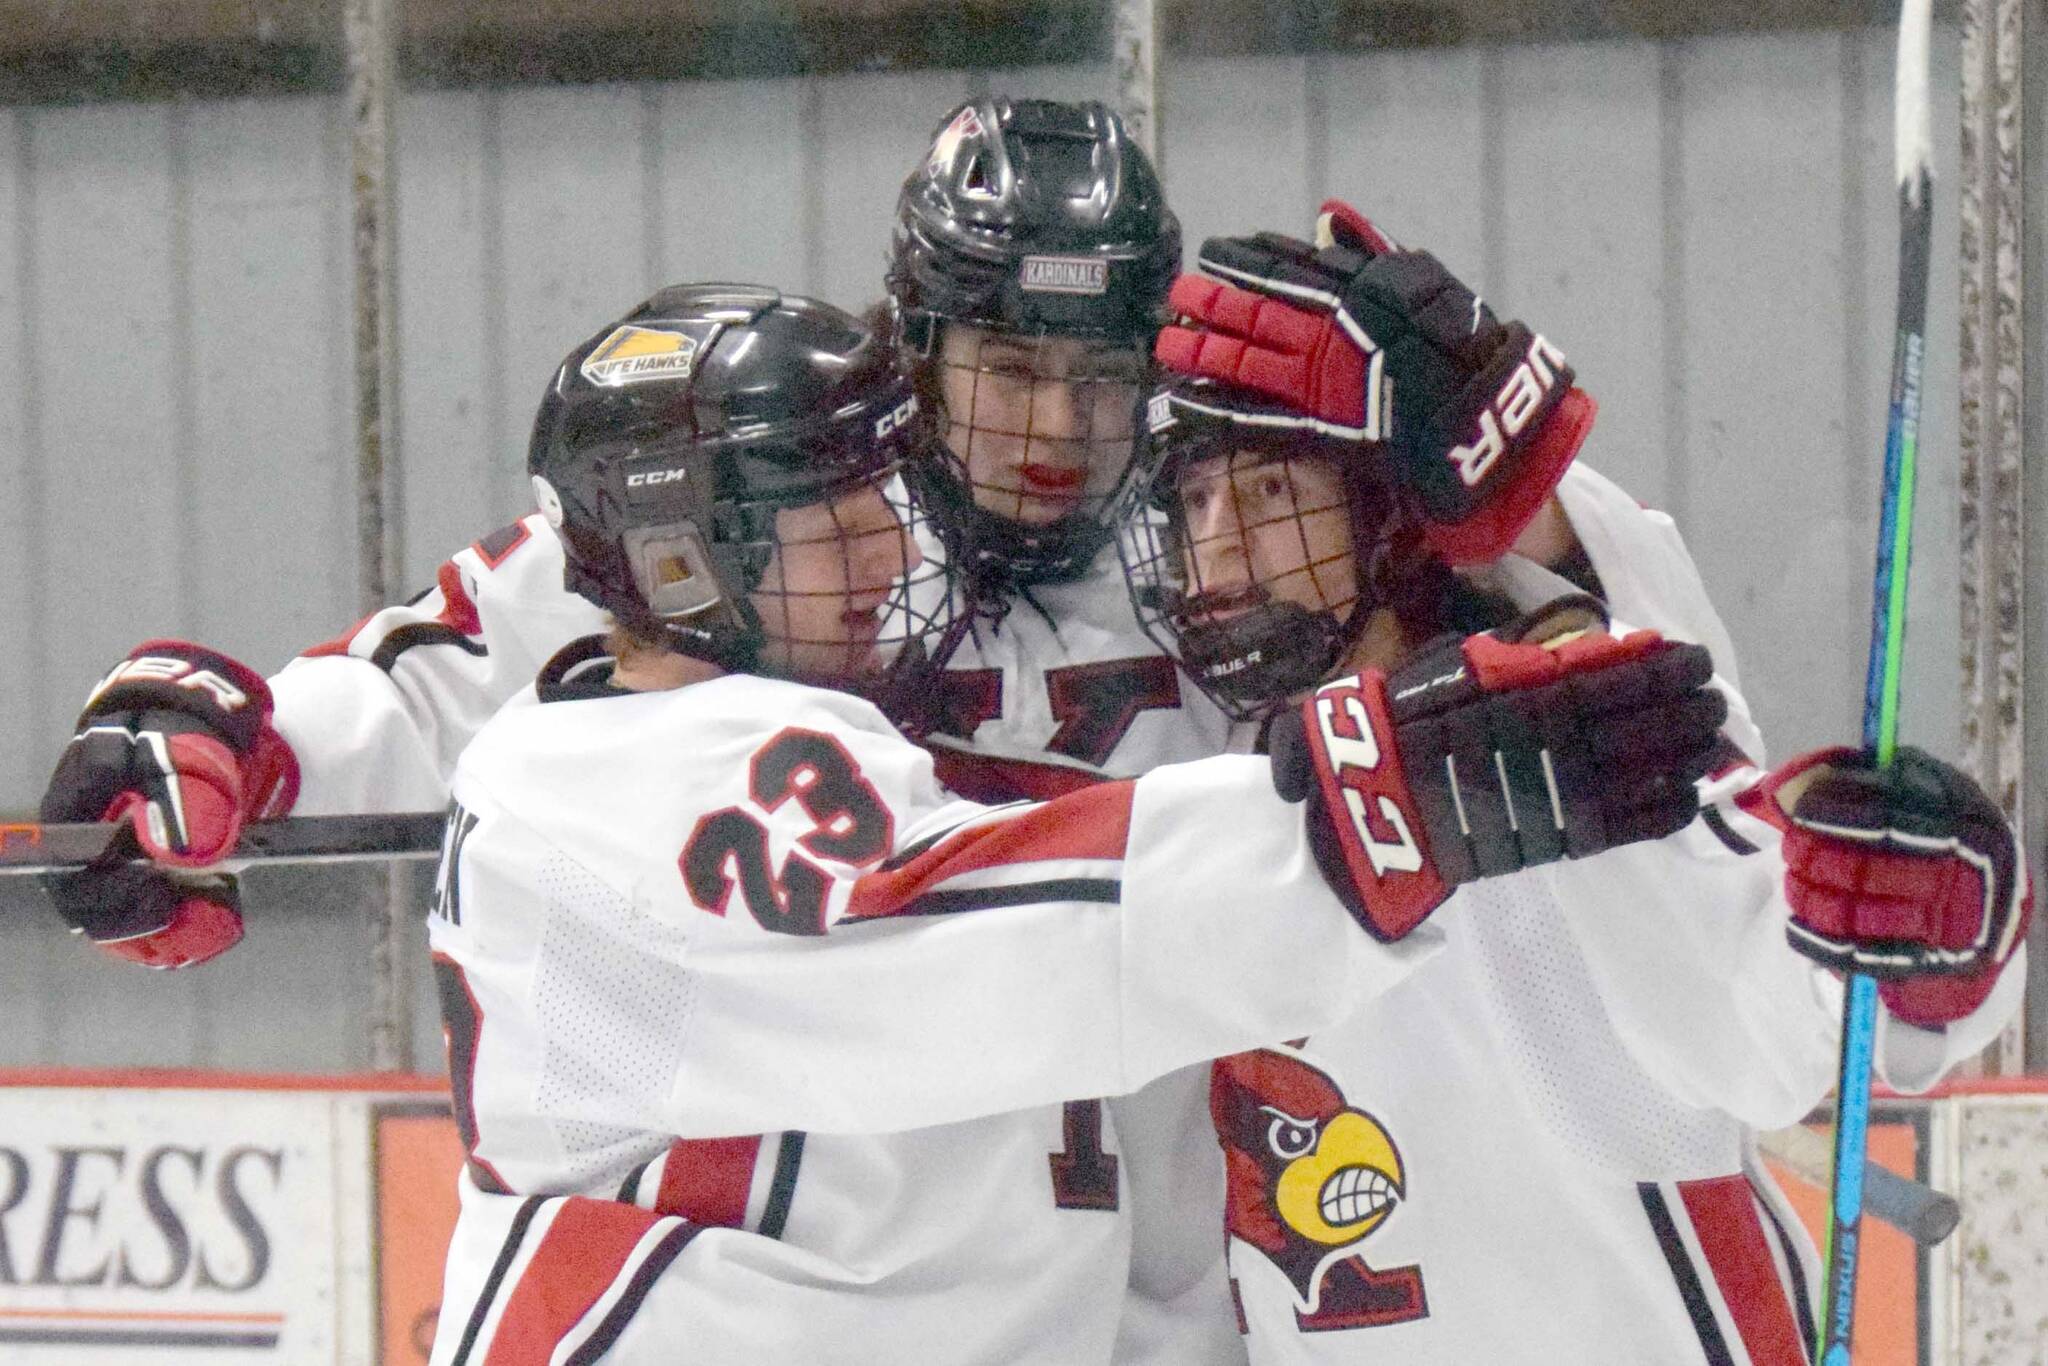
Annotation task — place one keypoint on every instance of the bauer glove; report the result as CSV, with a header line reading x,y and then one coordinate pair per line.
x,y
1546,739
177,741
1910,874
1357,339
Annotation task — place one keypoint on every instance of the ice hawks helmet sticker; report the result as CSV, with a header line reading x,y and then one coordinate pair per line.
x,y
1311,1177
636,355
1063,275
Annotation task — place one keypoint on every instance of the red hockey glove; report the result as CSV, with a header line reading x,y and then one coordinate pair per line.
x,y
177,739
1358,339
1493,753
1909,873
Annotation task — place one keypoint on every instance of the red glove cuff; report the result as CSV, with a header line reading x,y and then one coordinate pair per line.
x,y
198,930
1370,815
1491,533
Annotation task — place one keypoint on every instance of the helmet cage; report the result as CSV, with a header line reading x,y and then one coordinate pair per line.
x,y
1253,643
1037,441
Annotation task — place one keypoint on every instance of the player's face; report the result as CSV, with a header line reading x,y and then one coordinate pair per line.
x,y
1043,425
1259,529
831,583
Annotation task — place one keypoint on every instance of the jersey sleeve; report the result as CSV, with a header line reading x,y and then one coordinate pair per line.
x,y
377,716
989,960
1684,941
1685,938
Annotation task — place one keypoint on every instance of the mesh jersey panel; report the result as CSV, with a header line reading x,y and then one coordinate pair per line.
x,y
613,1016
1561,1047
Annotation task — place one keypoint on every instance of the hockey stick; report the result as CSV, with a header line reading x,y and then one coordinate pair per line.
x,y
27,849
1922,1213
1913,140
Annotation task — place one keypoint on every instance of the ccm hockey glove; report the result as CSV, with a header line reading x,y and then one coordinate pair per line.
x,y
1357,339
1908,873
1547,739
177,740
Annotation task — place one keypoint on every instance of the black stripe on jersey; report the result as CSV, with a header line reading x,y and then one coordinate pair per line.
x,y
911,851
481,1310
629,1189
782,1189
1725,832
607,1335
1107,890
448,878
1712,1344
422,633
1795,1271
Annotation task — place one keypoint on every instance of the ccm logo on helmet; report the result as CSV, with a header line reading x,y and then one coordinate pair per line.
x,y
649,478
896,417
1520,399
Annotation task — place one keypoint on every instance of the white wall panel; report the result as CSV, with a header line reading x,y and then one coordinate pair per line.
x,y
1234,146
1401,137
1759,478
867,135
731,182
109,376
573,198
25,614
272,475
461,438
1581,234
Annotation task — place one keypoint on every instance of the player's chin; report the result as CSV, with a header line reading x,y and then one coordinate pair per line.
x,y
842,662
1029,506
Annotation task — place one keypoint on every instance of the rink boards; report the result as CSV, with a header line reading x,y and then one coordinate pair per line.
x,y
153,1217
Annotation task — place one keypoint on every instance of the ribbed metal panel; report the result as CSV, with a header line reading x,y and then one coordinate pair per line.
x,y
1704,225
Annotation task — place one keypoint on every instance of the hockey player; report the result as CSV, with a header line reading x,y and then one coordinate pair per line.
x,y
1536,1148
689,894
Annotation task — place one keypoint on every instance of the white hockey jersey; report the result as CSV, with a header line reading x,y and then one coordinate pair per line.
x,y
1537,1148
760,1038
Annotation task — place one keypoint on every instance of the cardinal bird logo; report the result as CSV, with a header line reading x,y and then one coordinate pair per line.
x,y
1311,1177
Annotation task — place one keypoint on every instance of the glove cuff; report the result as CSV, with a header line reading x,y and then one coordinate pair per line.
x,y
227,695
1761,800
1491,532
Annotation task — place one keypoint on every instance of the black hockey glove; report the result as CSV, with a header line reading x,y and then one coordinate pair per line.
x,y
1909,873
1547,739
177,740
1358,339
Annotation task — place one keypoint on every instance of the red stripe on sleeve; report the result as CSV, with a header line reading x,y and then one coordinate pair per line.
x,y
707,1180
1094,823
584,1252
459,611
1738,1254
338,645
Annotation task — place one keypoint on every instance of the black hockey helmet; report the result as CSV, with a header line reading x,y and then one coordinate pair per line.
x,y
1044,224
669,441
1248,647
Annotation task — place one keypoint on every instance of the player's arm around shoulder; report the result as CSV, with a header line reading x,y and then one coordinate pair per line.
x,y
1227,914
378,715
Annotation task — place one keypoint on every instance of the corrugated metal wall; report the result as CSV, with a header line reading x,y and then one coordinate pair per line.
x,y
1706,226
